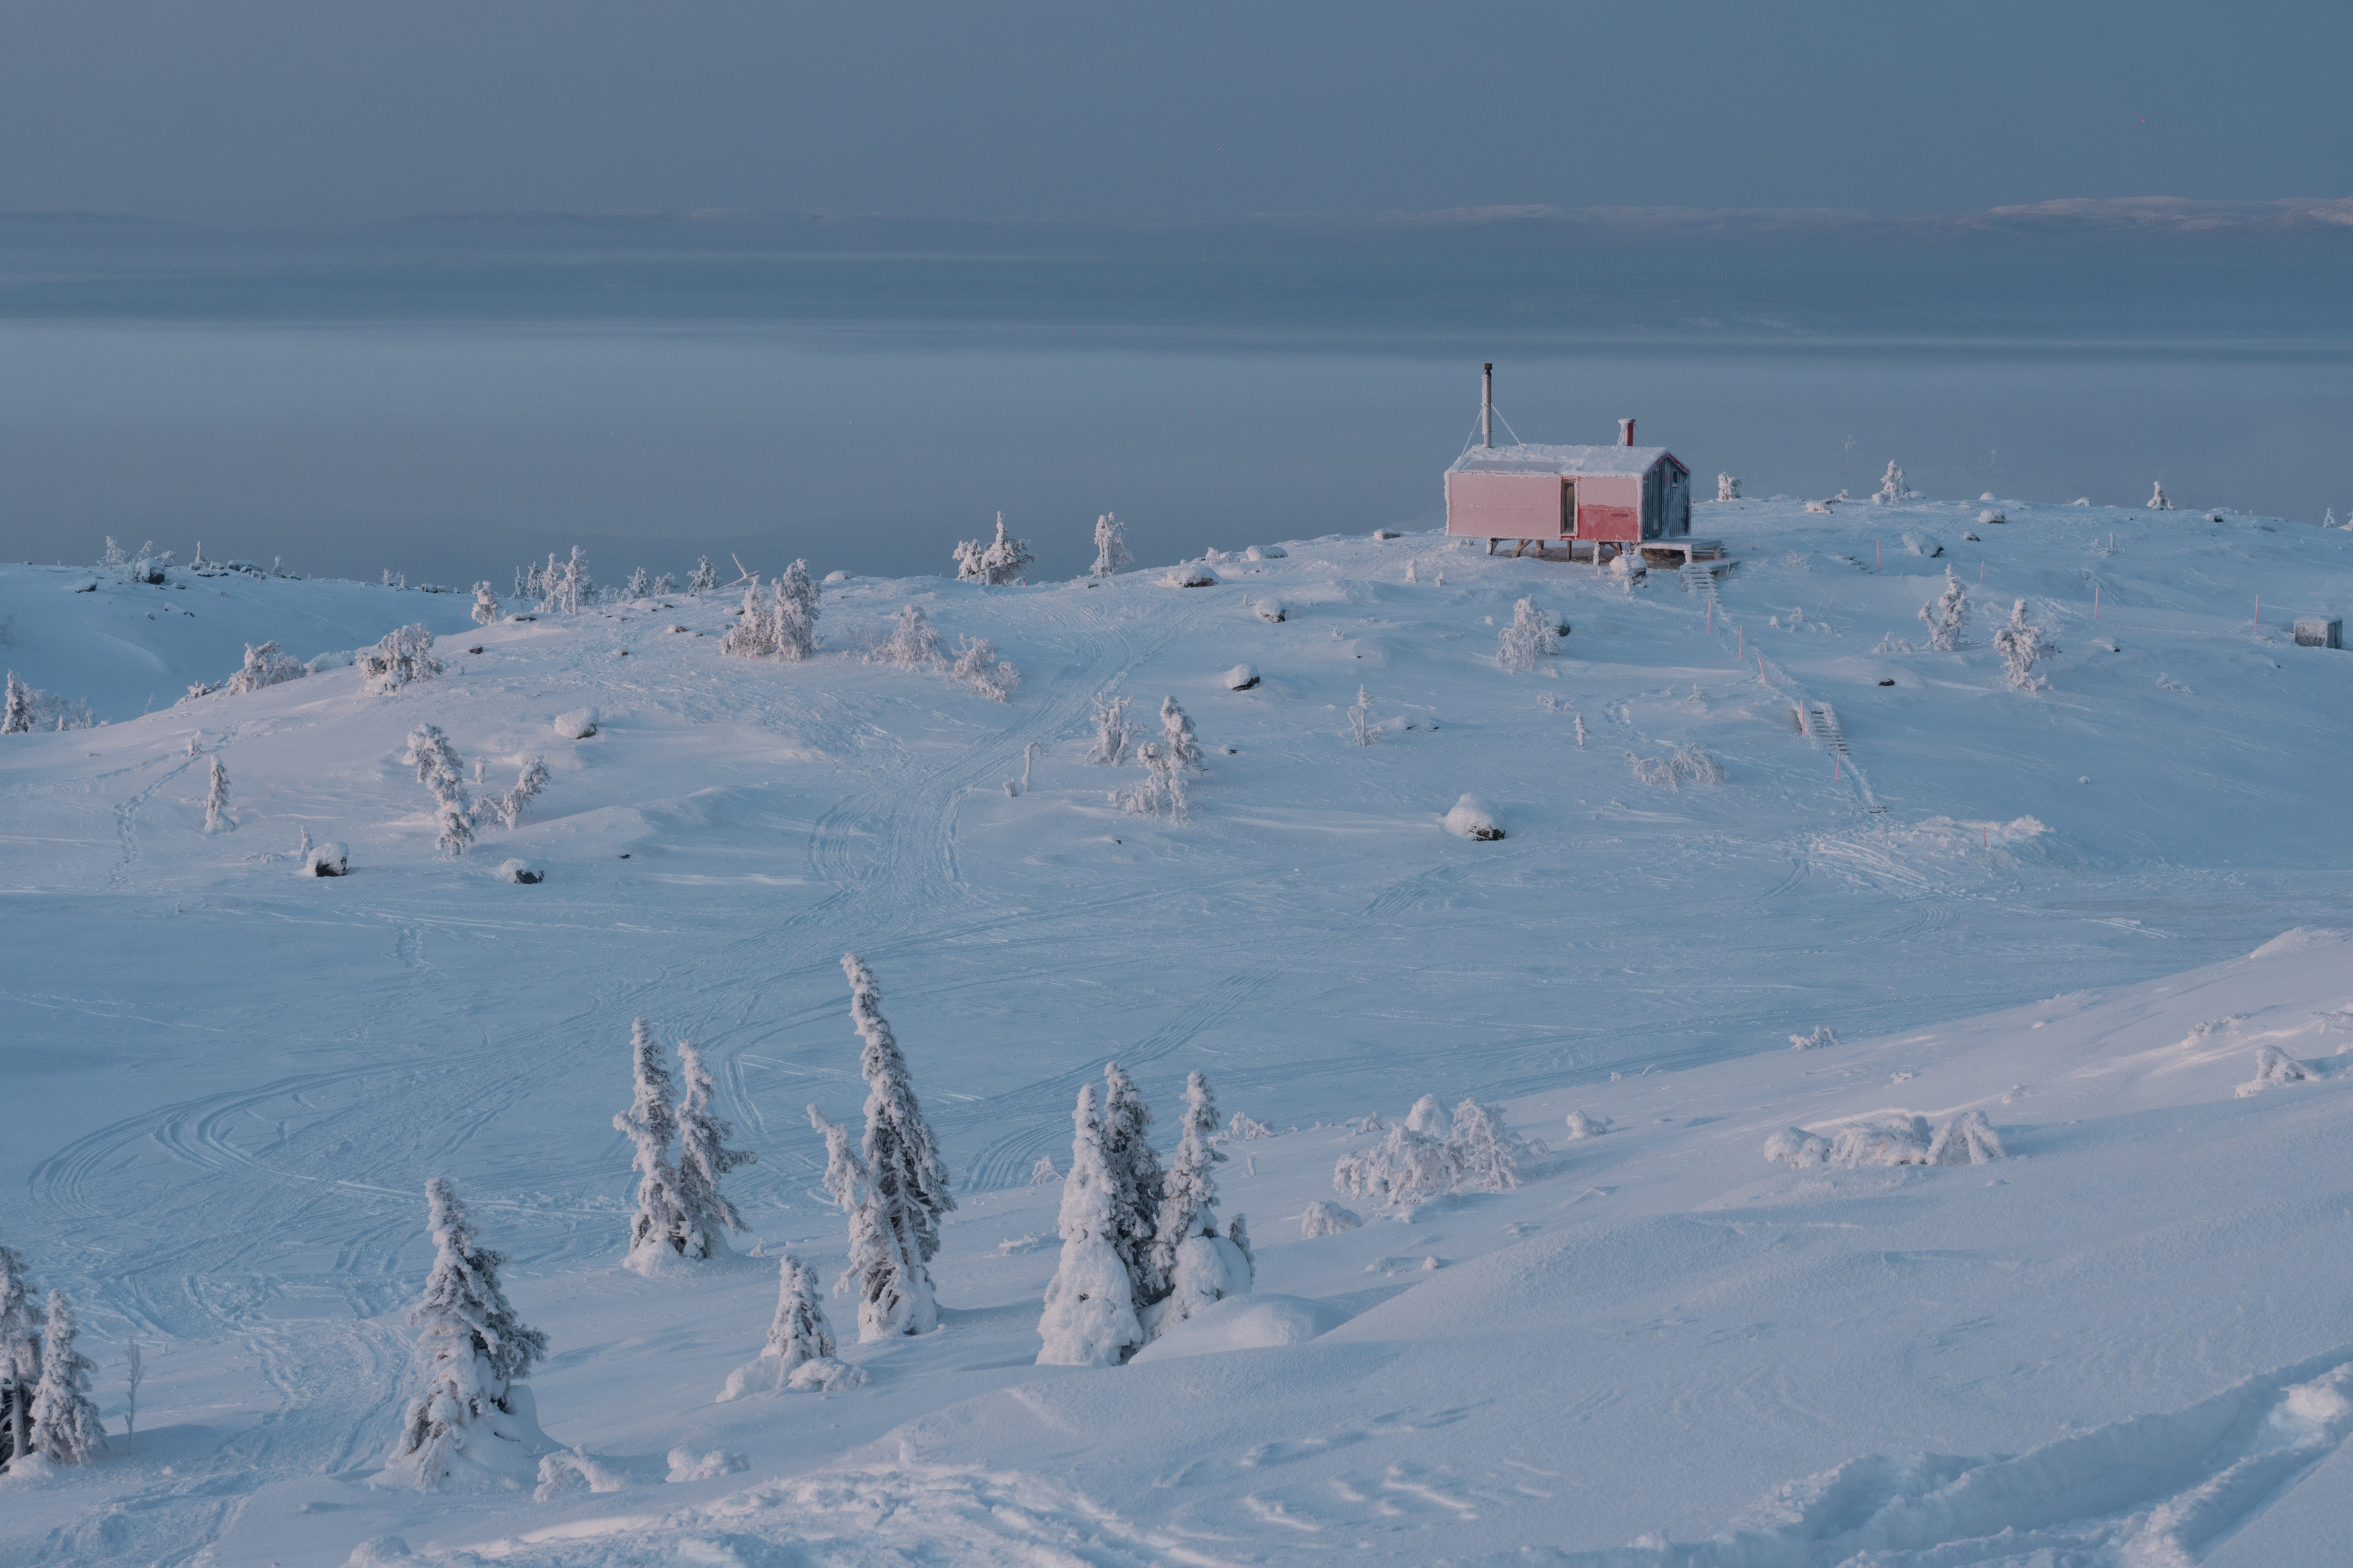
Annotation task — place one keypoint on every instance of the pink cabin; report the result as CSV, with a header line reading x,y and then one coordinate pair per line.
x,y
1616,500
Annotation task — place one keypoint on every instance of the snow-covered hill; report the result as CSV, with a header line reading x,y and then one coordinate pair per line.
x,y
232,1082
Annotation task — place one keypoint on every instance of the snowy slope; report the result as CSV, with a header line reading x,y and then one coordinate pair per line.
x,y
238,1080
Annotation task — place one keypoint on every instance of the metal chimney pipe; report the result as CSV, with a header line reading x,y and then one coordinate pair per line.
x,y
1625,432
1487,407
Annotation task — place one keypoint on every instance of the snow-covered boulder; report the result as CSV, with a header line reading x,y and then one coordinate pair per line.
x,y
835,579
1581,1125
2273,1066
1992,514
1384,533
1272,611
82,585
1321,1218
1922,544
1265,553
1473,818
576,726
1242,677
686,1465
339,659
1245,1323
328,860
1191,576
520,871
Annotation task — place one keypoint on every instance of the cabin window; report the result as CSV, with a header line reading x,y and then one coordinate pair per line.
x,y
1568,508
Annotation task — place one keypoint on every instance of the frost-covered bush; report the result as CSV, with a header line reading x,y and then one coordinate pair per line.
x,y
1405,1168
1727,488
1823,1034
1111,546
1042,1173
1110,730
473,1420
2020,645
1177,735
1488,1156
914,643
1688,763
487,608
783,627
986,675
1947,614
1581,1126
996,563
216,816
1324,1218
2155,502
438,770
1362,732
1897,1138
264,666
2273,1066
703,578
1968,1139
1161,791
799,1351
405,654
1529,637
67,1429
1241,1127
638,585
529,781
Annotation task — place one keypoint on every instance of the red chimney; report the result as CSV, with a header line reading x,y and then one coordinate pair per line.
x,y
1625,432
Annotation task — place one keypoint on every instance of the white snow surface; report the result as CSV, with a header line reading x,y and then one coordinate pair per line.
x,y
2128,1341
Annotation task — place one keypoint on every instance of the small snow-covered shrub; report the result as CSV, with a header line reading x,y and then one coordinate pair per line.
x,y
1894,1139
28,710
1190,576
1796,1146
1968,1139
1111,546
638,585
1405,1168
2021,645
566,1470
1432,1152
2273,1066
1361,729
1273,610
977,666
1947,614
1687,764
1529,637
1323,1219
522,871
341,659
216,816
1044,1174
527,786
1823,1034
996,563
2156,501
1581,1126
1727,488
1242,677
799,1351
686,1465
703,578
264,666
914,643
1429,1116
1473,818
1161,791
332,858
1110,730
1487,1154
1241,1126
405,654
576,726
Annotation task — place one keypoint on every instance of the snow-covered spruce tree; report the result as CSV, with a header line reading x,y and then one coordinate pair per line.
x,y
264,666
66,1425
1947,614
474,1421
704,1159
20,1353
977,666
529,781
703,578
665,586
405,654
2156,501
16,716
754,635
907,1181
795,614
1486,1154
1529,637
1090,1318
1110,547
638,585
913,642
661,1229
1161,788
1199,1265
216,816
999,562
1727,488
1137,1183
1361,729
799,1351
487,608
1177,735
438,770
1110,730
1892,487
1406,1168
2020,645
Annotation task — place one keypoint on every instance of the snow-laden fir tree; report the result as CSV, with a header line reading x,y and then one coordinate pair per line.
x,y
1947,614
906,1181
1200,1266
1408,1167
1529,637
1137,1182
754,635
1177,735
20,1352
796,612
665,586
1487,1154
1110,547
704,1159
1161,788
2156,501
439,769
1361,729
996,563
799,1351
703,578
1727,488
66,1425
528,781
475,1422
1110,730
264,666
2020,645
487,608
17,715
913,642
1891,486
661,1229
405,654
216,816
638,585
1090,1318
977,666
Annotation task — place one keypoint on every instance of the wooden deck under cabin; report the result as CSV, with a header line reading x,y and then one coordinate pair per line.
x,y
1654,552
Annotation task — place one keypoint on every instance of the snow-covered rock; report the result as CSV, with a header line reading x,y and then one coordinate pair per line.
x,y
1271,610
1258,1321
520,871
1471,817
578,724
1195,577
330,860
1242,677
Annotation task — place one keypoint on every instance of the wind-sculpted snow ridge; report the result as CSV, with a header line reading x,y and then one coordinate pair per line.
x,y
2149,1492
893,1516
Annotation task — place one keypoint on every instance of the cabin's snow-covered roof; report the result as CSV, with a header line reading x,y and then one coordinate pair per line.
x,y
1567,461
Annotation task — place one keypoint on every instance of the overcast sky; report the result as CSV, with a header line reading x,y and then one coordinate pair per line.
x,y
300,110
